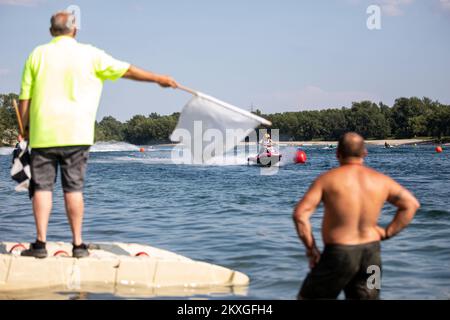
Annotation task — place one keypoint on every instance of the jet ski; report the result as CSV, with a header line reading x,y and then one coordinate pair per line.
x,y
266,158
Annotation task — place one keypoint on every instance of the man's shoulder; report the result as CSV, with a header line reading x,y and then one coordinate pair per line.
x,y
374,172
330,173
376,176
343,170
322,179
86,45
89,47
39,49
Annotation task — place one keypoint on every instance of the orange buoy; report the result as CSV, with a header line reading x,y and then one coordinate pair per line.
x,y
141,150
439,149
300,156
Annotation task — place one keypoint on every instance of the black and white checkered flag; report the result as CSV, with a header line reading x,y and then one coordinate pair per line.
x,y
20,171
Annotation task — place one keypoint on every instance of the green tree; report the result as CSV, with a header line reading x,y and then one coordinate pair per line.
x,y
111,129
438,121
367,119
155,128
403,110
309,126
334,123
8,120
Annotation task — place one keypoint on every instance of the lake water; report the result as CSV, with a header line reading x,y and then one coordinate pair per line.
x,y
231,215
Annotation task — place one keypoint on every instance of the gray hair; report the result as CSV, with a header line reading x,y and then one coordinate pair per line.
x,y
62,23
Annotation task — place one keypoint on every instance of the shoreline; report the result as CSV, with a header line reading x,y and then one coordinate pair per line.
x,y
392,142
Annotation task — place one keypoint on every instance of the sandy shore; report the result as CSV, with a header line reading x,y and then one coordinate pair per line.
x,y
393,142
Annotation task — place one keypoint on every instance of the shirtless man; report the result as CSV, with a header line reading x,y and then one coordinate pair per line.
x,y
353,196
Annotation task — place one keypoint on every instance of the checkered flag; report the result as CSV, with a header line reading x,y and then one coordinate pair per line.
x,y
20,170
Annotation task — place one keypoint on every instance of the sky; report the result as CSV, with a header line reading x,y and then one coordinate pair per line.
x,y
276,56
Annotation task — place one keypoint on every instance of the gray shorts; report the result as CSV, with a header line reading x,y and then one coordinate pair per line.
x,y
44,167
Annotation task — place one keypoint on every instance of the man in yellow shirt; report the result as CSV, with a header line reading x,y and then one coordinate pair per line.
x,y
60,92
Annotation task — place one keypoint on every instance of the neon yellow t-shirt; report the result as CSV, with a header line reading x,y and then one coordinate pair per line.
x,y
64,80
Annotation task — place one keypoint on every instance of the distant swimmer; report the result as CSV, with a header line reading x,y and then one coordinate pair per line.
x,y
61,87
353,196
387,145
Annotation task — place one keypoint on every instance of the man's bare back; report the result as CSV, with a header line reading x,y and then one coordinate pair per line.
x,y
353,196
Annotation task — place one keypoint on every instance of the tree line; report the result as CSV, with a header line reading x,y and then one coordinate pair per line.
x,y
407,118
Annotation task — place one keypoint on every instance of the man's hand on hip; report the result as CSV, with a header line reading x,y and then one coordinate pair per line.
x,y
382,232
314,257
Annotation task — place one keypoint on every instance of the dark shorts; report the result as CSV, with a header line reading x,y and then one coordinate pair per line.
x,y
44,167
344,267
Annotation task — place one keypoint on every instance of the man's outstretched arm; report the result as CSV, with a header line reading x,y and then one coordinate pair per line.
x,y
138,74
407,206
302,213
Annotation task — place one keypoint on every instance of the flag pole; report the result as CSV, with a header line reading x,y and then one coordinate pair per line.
x,y
19,118
188,90
225,105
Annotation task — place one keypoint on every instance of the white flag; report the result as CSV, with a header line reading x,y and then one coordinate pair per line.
x,y
208,128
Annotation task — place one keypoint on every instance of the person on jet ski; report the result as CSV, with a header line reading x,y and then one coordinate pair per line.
x,y
267,143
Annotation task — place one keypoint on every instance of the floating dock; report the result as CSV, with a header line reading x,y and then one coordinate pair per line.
x,y
116,268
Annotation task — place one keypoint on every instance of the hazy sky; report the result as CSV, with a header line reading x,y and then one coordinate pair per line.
x,y
277,55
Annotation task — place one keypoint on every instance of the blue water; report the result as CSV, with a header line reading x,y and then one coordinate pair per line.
x,y
232,216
